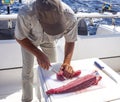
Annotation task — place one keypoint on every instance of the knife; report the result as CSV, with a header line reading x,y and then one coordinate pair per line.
x,y
102,69
53,70
56,72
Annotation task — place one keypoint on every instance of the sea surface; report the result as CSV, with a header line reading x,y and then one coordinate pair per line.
x,y
77,6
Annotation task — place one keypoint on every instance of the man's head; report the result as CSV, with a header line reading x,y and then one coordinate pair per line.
x,y
51,16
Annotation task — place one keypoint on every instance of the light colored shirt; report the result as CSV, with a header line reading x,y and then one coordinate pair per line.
x,y
28,26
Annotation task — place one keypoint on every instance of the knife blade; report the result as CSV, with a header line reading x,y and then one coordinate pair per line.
x,y
102,69
53,70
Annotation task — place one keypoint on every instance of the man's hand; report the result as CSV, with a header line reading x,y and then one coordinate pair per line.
x,y
67,70
43,61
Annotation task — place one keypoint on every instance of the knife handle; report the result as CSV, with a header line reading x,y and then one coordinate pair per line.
x,y
98,65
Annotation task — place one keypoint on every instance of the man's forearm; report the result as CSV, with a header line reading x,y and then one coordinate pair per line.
x,y
26,43
69,47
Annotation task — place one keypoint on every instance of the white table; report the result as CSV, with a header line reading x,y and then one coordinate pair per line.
x,y
107,90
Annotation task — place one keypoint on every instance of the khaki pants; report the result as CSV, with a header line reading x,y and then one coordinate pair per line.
x,y
27,71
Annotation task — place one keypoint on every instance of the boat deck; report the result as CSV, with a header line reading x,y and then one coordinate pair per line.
x,y
106,90
10,86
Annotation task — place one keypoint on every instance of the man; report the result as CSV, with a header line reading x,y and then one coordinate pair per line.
x,y
40,24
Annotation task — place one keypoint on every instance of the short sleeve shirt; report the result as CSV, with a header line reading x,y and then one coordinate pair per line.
x,y
28,26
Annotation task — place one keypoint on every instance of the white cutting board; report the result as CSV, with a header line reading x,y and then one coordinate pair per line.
x,y
106,89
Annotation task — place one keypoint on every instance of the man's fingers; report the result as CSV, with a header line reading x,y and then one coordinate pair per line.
x,y
45,65
68,72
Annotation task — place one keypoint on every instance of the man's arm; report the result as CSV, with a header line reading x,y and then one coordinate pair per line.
x,y
69,47
66,67
42,59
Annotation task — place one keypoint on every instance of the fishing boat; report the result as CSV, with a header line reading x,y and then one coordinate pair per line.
x,y
104,45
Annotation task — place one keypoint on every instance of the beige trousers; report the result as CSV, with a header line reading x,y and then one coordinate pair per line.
x,y
27,71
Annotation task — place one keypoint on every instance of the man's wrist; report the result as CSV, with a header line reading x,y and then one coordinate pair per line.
x,y
37,52
67,60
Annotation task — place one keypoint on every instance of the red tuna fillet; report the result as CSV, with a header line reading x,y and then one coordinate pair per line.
x,y
77,84
61,77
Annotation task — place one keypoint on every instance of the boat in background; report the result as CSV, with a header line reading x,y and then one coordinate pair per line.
x,y
105,45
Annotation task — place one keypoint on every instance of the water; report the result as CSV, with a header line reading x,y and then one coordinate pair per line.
x,y
77,6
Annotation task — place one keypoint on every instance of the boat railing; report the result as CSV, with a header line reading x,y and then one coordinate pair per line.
x,y
98,15
93,15
8,17
79,15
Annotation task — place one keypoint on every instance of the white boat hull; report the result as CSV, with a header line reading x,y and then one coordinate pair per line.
x,y
10,53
